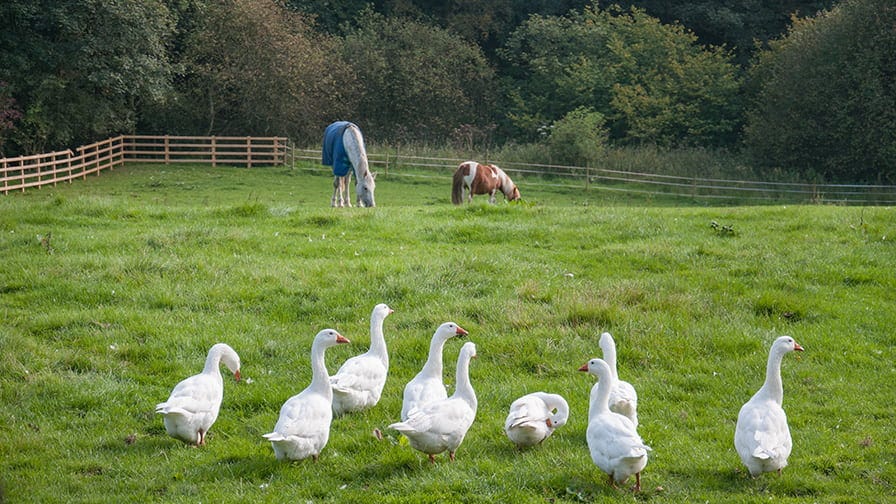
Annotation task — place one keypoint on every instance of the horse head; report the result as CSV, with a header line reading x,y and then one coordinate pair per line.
x,y
365,187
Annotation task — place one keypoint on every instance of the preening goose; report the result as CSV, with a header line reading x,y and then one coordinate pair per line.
x,y
428,386
533,418
359,382
762,437
441,425
193,405
616,448
303,428
623,398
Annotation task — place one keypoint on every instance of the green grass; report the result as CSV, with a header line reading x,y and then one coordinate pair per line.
x,y
113,289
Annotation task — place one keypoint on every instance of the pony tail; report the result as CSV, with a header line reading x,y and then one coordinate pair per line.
x,y
457,188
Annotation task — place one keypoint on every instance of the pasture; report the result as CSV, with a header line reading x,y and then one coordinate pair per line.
x,y
113,289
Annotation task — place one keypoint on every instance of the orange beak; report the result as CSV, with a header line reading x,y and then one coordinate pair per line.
x,y
341,339
797,347
461,331
584,367
236,375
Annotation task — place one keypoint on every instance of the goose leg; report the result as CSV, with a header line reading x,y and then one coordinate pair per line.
x,y
637,482
451,456
432,458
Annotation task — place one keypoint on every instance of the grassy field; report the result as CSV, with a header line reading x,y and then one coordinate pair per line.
x,y
113,289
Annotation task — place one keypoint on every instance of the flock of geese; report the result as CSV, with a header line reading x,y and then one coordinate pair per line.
x,y
434,422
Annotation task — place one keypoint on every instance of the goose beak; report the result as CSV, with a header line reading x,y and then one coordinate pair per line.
x,y
461,331
341,339
236,375
549,422
584,367
797,347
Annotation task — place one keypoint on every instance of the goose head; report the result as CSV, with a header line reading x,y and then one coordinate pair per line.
x,y
229,358
598,368
449,330
329,337
786,344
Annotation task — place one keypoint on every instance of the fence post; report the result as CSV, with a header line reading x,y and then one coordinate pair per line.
x,y
167,151
587,176
248,152
214,151
5,182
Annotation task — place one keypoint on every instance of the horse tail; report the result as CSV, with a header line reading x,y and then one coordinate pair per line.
x,y
457,188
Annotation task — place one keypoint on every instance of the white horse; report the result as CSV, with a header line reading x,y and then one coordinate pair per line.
x,y
343,149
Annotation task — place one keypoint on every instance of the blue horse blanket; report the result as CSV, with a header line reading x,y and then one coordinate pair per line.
x,y
333,152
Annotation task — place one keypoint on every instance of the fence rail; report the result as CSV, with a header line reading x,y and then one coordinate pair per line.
x,y
632,182
24,172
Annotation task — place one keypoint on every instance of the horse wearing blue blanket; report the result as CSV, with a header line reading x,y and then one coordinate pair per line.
x,y
343,149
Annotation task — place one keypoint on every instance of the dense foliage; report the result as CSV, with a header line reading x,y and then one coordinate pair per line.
x,y
419,82
473,74
825,97
653,82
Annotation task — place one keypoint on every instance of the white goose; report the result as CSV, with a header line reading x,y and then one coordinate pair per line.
x,y
616,448
359,383
533,418
193,405
428,386
441,425
762,437
623,398
303,428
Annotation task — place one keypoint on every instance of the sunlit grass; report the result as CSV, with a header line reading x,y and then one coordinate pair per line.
x,y
113,289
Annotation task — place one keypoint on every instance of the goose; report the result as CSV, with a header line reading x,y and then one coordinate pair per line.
x,y
427,386
533,418
616,448
761,437
623,398
303,428
193,405
359,382
441,425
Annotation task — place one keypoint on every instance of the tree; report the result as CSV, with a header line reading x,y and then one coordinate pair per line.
x,y
823,98
653,82
578,138
735,24
254,68
419,82
79,69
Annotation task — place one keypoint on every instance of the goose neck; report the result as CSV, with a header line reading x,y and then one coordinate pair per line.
x,y
600,397
320,379
377,340
464,388
773,386
433,366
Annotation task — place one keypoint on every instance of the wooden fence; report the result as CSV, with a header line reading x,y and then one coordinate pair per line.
x,y
23,172
607,179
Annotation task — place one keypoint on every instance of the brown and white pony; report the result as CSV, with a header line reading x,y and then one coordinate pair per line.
x,y
481,179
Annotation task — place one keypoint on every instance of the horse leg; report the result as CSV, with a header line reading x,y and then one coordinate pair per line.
x,y
347,189
333,200
491,196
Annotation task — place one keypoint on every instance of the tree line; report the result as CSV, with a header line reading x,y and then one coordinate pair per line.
x,y
801,86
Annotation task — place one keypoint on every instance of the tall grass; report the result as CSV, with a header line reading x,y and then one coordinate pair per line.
x,y
113,289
